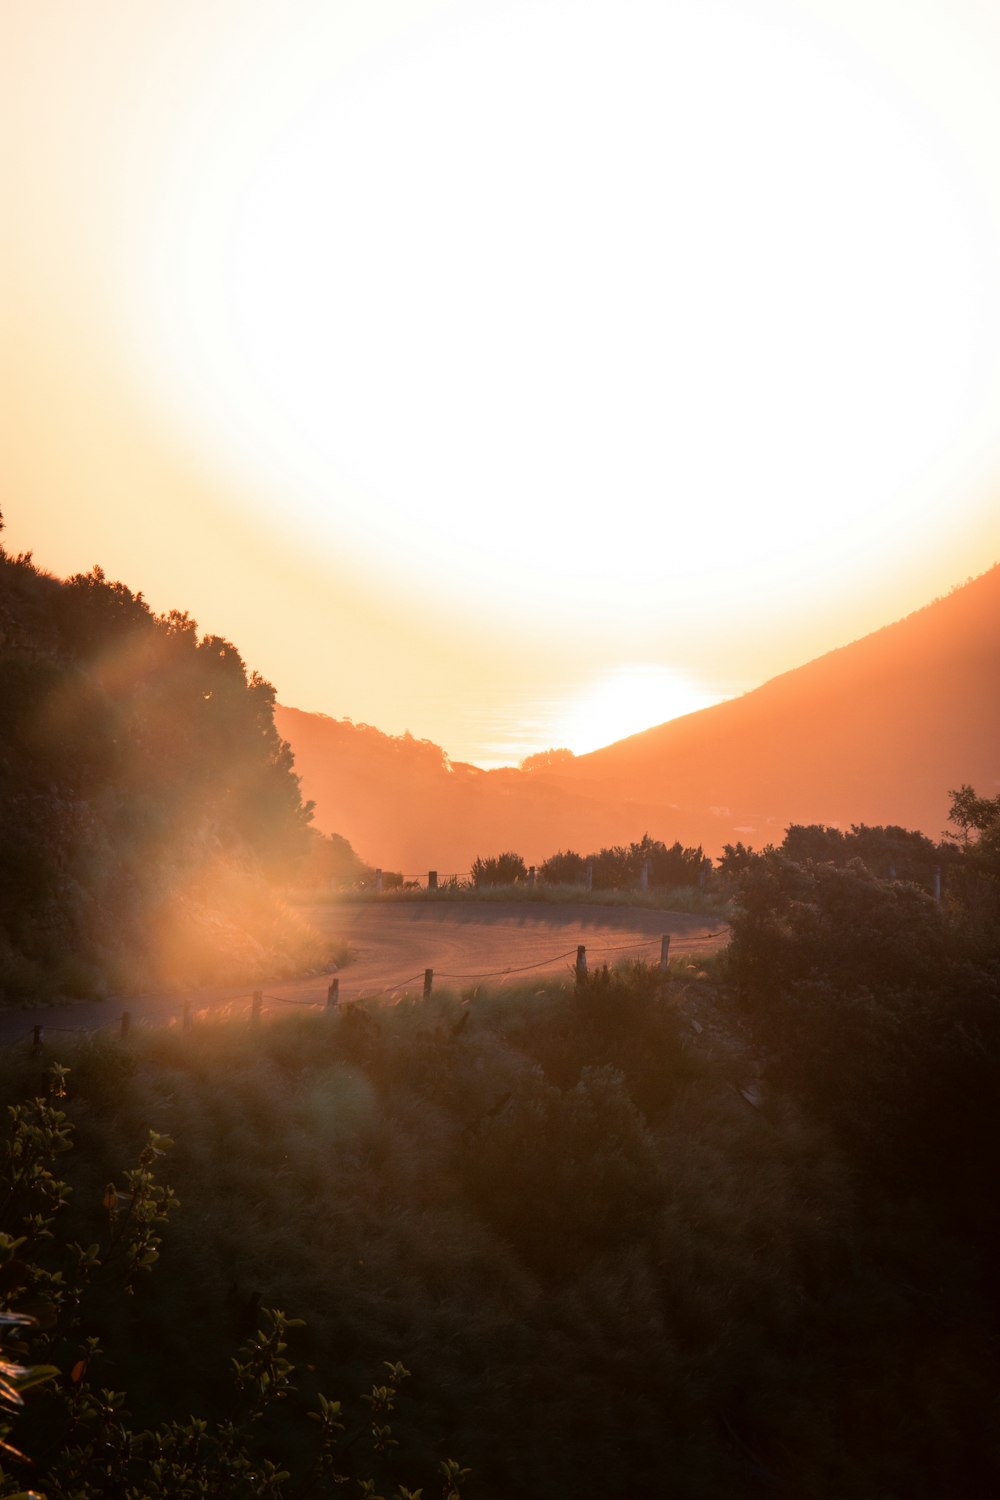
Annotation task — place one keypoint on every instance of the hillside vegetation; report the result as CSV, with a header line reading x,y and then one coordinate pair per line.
x,y
723,1231
146,797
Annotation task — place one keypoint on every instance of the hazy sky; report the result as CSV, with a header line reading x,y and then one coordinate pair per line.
x,y
515,373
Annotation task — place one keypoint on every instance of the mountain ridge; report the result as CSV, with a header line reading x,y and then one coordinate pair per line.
x,y
876,731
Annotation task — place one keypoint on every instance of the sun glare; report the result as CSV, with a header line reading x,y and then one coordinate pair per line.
x,y
560,307
625,702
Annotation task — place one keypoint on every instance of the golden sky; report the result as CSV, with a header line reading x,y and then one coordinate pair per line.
x,y
516,373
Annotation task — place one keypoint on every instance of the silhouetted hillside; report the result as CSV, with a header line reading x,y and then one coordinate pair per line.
x,y
144,795
875,732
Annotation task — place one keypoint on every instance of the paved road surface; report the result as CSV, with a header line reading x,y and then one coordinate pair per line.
x,y
394,942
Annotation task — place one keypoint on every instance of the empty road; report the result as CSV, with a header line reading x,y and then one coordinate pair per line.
x,y
394,942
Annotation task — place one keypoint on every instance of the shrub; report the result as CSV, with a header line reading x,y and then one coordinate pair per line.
x,y
500,869
564,868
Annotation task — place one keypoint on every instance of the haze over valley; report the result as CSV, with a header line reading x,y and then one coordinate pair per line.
x,y
876,732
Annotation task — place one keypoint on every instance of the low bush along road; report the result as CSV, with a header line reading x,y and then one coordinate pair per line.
x,y
393,944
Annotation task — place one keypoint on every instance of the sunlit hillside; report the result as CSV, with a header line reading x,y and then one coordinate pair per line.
x,y
875,732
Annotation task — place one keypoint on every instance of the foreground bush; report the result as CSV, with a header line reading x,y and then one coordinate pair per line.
x,y
78,1437
614,1268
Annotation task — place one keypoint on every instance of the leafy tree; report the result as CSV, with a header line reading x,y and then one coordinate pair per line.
x,y
803,921
735,859
501,869
891,852
877,1011
973,814
565,868
622,865
136,758
974,881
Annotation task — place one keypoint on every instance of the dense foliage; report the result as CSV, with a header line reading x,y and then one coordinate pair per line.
x,y
143,789
87,1445
625,866
499,869
729,1231
890,853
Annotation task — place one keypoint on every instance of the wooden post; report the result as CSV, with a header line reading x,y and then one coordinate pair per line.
x,y
590,874
36,1041
378,882
706,865
187,1016
333,994
255,1007
937,884
432,880
664,950
581,963
644,876
126,1024
428,983
531,874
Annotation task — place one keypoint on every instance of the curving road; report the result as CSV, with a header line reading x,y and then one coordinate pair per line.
x,y
394,942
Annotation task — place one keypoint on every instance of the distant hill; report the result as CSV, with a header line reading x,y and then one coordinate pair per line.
x,y
875,732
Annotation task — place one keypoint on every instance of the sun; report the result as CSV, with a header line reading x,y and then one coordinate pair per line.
x,y
623,702
542,307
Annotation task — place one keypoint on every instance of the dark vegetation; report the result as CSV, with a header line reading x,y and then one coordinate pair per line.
x,y
623,865
729,1231
501,869
147,802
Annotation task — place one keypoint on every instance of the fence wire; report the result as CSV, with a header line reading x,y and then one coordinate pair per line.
x,y
677,943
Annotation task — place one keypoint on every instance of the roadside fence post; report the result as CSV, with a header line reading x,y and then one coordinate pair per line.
x,y
333,994
664,950
581,963
644,876
378,882
590,874
531,874
432,880
428,983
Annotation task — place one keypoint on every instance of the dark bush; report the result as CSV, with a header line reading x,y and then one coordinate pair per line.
x,y
500,869
564,868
